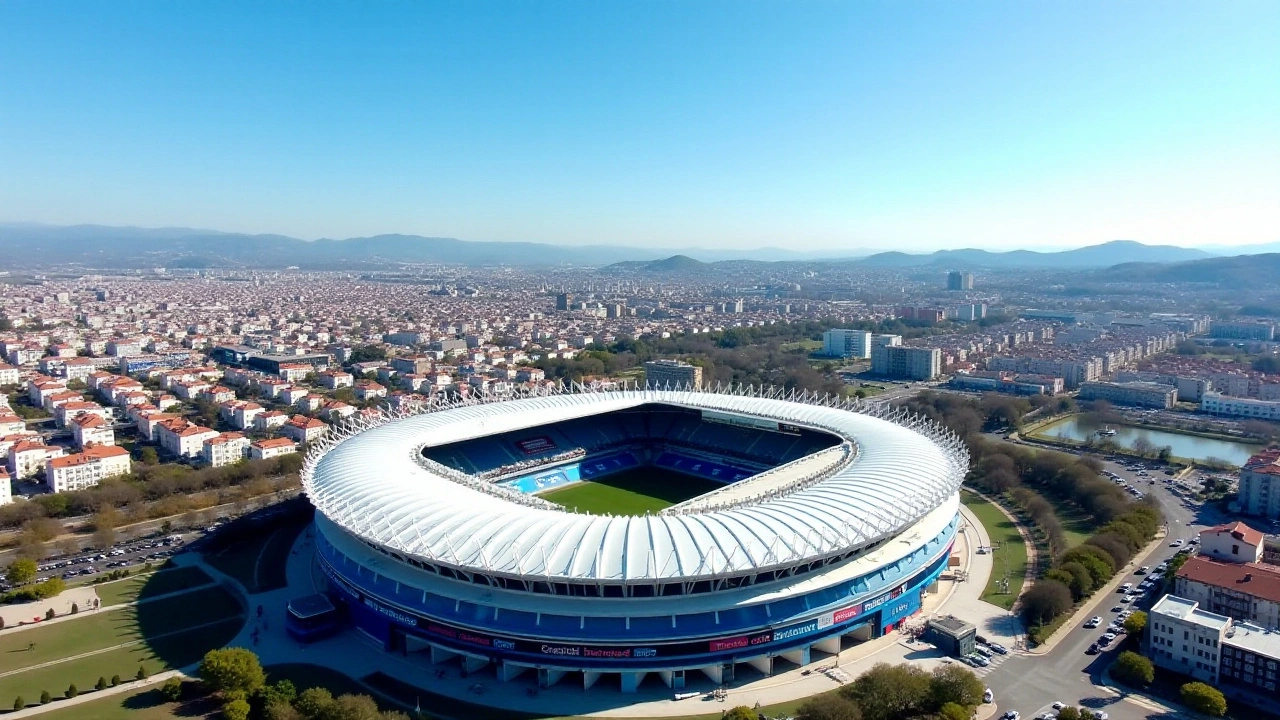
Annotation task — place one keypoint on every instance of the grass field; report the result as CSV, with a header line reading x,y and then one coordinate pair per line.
x,y
1011,555
165,633
145,587
145,704
631,492
258,561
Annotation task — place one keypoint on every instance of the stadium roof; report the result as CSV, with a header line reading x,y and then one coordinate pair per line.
x,y
374,482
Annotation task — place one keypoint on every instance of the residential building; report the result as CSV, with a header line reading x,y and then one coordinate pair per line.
x,y
671,374
266,449
8,375
1251,660
6,488
86,469
182,438
294,372
1241,591
1233,542
226,448
270,420
914,363
244,414
957,280
1259,487
27,457
1186,639
412,365
11,423
335,379
304,429
369,390
563,301
1217,404
1242,330
846,343
1140,394
89,429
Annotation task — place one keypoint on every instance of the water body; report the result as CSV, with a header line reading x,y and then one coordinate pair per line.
x,y
1184,446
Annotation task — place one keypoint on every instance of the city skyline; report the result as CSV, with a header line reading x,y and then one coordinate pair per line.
x,y
818,128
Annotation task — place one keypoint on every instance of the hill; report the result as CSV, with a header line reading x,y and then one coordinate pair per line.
x,y
1104,255
1241,271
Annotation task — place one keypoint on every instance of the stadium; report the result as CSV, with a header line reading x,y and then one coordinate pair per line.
x,y
606,538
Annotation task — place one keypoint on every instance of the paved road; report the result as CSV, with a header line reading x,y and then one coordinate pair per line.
x,y
1029,684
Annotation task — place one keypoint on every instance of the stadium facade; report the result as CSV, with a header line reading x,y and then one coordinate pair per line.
x,y
830,521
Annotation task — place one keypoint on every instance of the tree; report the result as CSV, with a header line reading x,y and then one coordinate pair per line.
x,y
1069,713
19,703
955,684
45,697
281,711
314,702
742,712
237,709
888,692
72,690
1203,699
1045,600
952,711
829,707
229,669
102,683
147,455
1135,623
21,571
115,680
172,689
142,673
1133,669
362,707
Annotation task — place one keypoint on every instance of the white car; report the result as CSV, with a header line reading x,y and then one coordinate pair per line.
x,y
988,696
1093,622
1059,705
1176,543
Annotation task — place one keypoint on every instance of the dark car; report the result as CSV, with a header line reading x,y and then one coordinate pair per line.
x,y
1093,649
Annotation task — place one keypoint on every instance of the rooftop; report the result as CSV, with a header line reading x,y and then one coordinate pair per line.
x,y
1189,611
1255,579
1255,639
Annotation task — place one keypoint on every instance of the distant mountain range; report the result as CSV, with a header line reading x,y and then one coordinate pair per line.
x,y
1240,272
132,247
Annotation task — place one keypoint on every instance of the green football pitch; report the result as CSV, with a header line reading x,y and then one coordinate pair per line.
x,y
631,492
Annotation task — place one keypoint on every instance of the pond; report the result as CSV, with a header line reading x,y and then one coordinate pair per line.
x,y
1079,428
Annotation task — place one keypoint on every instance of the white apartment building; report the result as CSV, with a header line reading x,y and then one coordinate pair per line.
x,y
8,375
1259,487
10,423
225,449
1241,591
183,438
1218,404
92,430
1183,638
304,429
336,379
846,343
6,488
913,363
1233,542
27,457
86,469
266,449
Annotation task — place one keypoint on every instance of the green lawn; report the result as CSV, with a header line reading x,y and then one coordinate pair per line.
x,y
144,587
145,704
160,626
1011,555
632,492
258,561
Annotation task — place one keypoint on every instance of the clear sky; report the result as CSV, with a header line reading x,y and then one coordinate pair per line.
x,y
673,123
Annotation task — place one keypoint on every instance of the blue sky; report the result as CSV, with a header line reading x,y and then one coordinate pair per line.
x,y
805,125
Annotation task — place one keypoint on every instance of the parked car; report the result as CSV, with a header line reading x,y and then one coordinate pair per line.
x,y
1142,570
1093,622
998,649
988,696
1093,649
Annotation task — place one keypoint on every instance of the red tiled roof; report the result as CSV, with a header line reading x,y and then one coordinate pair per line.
x,y
1257,579
1239,531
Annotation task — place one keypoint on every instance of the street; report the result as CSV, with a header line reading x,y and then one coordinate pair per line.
x,y
1030,683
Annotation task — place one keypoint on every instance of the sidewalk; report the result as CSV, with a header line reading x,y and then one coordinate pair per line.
x,y
91,695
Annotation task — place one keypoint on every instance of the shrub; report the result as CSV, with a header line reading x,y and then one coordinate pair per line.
x,y
102,683
1135,623
742,712
237,709
172,689
1069,713
829,707
19,703
952,711
1203,699
115,680
45,698
1133,669
72,691
142,674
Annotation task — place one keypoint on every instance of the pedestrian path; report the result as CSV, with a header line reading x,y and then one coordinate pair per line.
x,y
100,651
